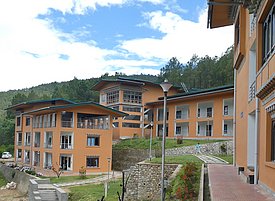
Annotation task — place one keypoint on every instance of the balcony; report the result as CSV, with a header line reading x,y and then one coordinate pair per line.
x,y
91,121
66,146
205,110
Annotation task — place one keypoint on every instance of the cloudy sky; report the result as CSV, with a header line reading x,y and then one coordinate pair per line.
x,y
42,41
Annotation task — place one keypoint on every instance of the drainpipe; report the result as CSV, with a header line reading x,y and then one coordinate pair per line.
x,y
234,118
256,168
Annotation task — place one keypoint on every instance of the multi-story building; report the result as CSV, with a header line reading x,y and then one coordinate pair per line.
x,y
203,113
60,133
254,66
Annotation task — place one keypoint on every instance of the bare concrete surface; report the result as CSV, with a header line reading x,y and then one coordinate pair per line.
x,y
12,195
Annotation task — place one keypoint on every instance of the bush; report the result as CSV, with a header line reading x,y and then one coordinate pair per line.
x,y
179,140
32,172
223,148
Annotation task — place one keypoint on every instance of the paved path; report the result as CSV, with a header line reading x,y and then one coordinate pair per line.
x,y
210,159
96,180
226,185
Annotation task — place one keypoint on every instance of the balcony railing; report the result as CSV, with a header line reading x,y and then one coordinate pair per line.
x,y
90,125
48,146
252,91
36,144
66,146
27,160
19,143
48,166
67,124
36,163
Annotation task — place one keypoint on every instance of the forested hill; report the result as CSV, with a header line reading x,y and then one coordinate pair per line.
x,y
199,72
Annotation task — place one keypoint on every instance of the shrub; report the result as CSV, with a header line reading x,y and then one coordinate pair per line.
x,y
223,148
179,140
186,183
82,172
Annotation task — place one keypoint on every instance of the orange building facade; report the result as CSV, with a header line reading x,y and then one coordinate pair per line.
x,y
200,114
254,66
60,133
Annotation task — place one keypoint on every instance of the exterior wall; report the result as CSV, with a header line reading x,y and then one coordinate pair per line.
x,y
79,150
245,107
217,119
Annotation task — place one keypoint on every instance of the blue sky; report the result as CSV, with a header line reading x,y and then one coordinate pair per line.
x,y
50,40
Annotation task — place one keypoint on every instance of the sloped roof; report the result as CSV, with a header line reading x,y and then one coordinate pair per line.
x,y
73,105
196,93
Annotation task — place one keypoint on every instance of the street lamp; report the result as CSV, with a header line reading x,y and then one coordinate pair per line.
x,y
150,152
165,87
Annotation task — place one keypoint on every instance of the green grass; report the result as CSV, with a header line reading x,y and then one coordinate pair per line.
x,y
178,159
67,179
95,192
228,158
3,181
142,143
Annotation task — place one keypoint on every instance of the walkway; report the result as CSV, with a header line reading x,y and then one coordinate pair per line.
x,y
226,185
210,159
96,180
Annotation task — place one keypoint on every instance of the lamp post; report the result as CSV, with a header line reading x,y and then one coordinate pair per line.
x,y
165,87
150,152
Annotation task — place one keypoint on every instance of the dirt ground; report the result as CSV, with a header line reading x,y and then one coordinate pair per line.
x,y
11,195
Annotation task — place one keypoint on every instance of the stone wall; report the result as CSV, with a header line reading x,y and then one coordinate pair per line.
x,y
125,158
20,178
144,181
223,147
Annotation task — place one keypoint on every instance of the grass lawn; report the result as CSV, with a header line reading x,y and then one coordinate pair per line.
x,y
2,180
94,192
66,179
228,158
142,143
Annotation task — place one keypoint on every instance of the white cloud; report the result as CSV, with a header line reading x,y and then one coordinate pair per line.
x,y
182,38
30,48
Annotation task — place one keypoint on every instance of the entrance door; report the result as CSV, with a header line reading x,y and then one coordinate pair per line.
x,y
65,162
209,130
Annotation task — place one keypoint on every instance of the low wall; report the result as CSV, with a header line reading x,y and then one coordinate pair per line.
x,y
20,178
125,158
144,181
223,147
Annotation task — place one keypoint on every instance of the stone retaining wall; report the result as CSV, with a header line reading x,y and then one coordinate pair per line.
x,y
125,158
20,178
144,181
223,147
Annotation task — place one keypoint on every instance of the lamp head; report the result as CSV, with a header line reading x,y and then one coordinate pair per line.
x,y
165,86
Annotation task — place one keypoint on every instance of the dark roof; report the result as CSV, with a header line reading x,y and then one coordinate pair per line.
x,y
91,103
133,81
27,103
201,92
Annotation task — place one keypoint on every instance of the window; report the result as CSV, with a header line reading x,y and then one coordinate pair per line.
x,y
102,98
130,125
18,121
19,153
160,114
199,112
199,129
115,107
178,130
225,128
225,110
115,124
131,109
28,121
273,141
209,130
92,161
268,34
93,140
37,139
27,139
66,141
112,97
132,97
19,139
209,112
178,114
132,117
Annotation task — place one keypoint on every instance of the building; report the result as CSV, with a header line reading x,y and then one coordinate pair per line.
x,y
198,114
60,133
254,66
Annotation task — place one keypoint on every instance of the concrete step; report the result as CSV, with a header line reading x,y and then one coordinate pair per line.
x,y
49,195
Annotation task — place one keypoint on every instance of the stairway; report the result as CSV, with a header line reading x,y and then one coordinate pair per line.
x,y
211,159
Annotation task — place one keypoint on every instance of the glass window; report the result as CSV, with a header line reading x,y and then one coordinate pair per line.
x,y
225,110
199,112
93,140
131,109
273,141
112,97
130,125
209,112
225,128
268,34
28,121
18,121
132,97
92,161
